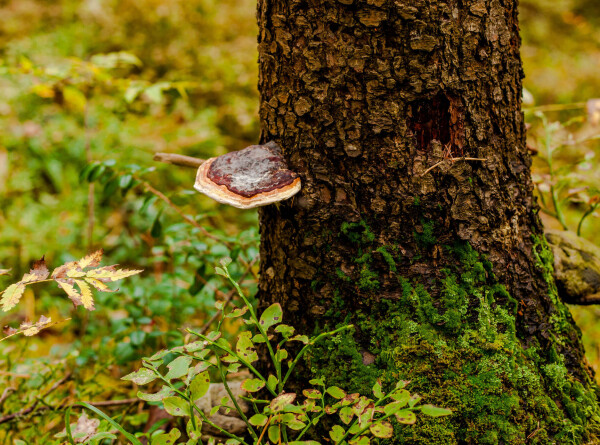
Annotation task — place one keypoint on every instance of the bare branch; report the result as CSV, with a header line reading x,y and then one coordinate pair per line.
x,y
181,160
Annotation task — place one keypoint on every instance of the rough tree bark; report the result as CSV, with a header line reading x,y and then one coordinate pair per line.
x,y
439,261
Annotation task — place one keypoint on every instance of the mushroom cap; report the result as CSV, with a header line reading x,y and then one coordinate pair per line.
x,y
248,178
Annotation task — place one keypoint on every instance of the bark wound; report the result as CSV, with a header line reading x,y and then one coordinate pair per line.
x,y
438,118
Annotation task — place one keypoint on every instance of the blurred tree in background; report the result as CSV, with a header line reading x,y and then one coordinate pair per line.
x,y
185,82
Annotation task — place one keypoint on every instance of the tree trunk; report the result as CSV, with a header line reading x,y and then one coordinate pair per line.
x,y
416,220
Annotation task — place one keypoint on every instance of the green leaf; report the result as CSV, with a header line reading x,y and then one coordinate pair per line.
x,y
252,385
302,338
317,382
178,367
336,433
166,438
194,433
155,92
402,384
281,401
401,396
156,230
312,393
176,406
229,359
244,347
199,386
273,433
435,411
141,377
272,382
346,414
259,338
271,316
295,424
225,261
360,440
101,436
214,410
336,392
158,355
220,271
294,409
414,399
304,442
237,312
281,355
377,390
164,392
233,368
406,417
285,330
355,428
383,430
258,420
132,92
393,407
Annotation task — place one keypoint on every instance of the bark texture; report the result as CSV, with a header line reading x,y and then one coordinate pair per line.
x,y
439,261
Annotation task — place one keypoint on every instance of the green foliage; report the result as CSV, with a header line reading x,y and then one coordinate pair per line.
x,y
281,416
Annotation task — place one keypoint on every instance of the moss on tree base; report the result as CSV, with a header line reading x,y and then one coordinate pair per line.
x,y
461,351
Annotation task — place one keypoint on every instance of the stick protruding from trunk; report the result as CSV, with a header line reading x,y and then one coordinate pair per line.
x,y
181,160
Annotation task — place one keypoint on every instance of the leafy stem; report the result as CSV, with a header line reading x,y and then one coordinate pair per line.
x,y
308,346
256,320
233,399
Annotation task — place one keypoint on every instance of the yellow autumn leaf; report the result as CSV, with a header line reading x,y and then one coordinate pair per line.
x,y
111,274
98,284
71,292
28,278
91,260
38,272
74,273
31,331
86,295
60,271
11,296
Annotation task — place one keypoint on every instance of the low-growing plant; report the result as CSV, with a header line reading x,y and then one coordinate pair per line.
x,y
278,416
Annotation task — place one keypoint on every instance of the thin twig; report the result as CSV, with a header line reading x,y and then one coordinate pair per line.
x,y
28,410
191,221
5,394
453,160
557,107
115,402
181,160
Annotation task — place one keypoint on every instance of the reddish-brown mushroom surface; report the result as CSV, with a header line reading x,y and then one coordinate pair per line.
x,y
252,177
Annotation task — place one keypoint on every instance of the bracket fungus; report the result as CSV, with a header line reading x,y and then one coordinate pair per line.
x,y
248,178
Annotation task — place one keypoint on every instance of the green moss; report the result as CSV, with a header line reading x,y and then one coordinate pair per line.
x,y
456,341
369,274
358,233
426,238
388,258
368,279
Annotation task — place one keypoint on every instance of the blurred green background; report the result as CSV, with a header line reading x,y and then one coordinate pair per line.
x,y
91,89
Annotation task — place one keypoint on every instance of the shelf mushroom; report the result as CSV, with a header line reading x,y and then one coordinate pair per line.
x,y
248,178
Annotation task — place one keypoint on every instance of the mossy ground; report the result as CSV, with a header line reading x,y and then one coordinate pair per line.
x,y
461,350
